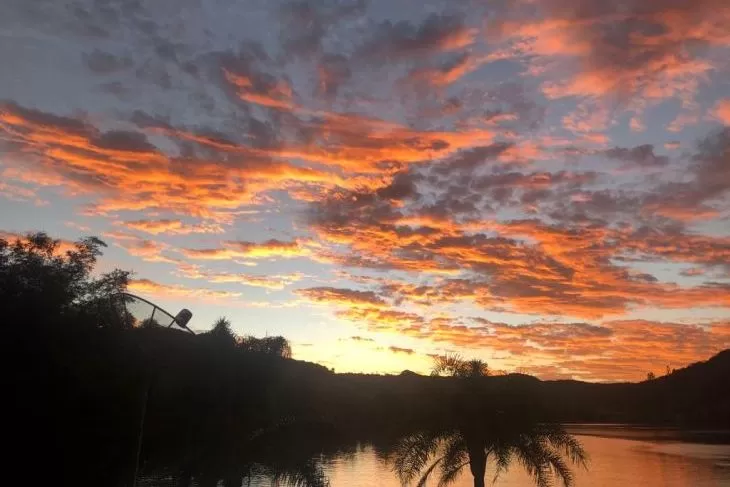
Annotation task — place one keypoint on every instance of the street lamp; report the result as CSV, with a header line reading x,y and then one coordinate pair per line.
x,y
136,310
139,310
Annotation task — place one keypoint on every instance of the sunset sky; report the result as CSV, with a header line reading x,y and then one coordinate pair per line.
x,y
543,184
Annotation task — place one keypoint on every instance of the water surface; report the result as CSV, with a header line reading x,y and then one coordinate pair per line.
x,y
619,457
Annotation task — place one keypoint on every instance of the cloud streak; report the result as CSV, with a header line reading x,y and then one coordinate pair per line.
x,y
149,287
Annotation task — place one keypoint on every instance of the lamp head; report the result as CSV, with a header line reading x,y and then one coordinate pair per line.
x,y
183,317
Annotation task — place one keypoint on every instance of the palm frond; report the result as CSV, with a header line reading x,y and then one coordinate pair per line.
x,y
559,467
476,368
450,364
454,365
541,453
530,453
427,473
308,474
454,450
452,474
454,460
502,455
566,443
412,454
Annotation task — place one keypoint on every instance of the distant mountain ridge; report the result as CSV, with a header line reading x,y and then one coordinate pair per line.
x,y
697,395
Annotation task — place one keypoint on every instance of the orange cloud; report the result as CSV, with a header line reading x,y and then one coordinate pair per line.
x,y
276,95
341,297
449,72
274,282
126,172
361,144
612,350
172,227
636,50
350,142
147,250
378,318
523,265
10,236
15,192
722,111
271,282
251,250
152,288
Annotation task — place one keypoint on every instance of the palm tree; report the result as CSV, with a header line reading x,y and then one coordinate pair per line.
x,y
480,427
454,366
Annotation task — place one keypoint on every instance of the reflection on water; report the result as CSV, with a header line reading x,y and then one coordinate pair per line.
x,y
645,457
619,456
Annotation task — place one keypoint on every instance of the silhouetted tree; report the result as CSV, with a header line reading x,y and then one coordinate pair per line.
x,y
222,333
454,365
61,323
478,429
650,376
276,345
149,323
39,280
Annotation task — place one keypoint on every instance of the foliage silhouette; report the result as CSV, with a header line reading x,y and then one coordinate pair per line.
x,y
39,280
275,345
454,365
88,373
222,333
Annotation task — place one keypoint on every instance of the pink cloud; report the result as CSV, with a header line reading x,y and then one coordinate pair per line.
x,y
721,111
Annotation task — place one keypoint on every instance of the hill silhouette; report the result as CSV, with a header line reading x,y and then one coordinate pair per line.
x,y
694,396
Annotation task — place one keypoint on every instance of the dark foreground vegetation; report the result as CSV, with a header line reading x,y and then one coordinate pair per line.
x,y
84,383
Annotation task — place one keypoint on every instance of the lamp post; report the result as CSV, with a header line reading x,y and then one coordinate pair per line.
x,y
160,316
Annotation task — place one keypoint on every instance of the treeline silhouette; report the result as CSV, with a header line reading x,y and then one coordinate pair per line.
x,y
214,407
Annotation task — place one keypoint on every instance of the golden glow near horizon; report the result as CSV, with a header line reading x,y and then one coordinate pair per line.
x,y
544,185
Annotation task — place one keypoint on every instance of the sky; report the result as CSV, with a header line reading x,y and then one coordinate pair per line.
x,y
542,184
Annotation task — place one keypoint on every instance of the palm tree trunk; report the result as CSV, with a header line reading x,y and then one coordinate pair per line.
x,y
477,462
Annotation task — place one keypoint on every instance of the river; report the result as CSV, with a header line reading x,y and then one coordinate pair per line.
x,y
619,456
